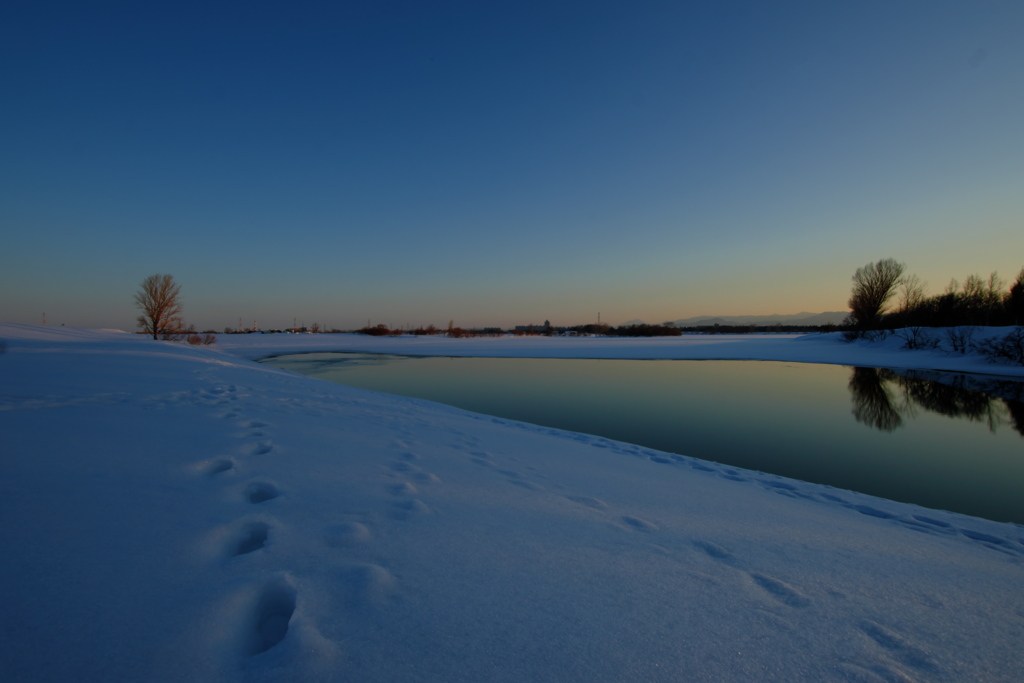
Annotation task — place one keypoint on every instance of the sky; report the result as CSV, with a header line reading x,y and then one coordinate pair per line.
x,y
500,163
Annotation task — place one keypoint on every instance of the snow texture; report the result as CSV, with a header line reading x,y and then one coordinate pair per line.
x,y
172,513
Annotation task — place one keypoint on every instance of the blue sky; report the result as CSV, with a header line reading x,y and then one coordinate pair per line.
x,y
500,163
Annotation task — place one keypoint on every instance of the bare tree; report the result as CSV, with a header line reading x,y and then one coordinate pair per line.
x,y
911,293
159,299
873,286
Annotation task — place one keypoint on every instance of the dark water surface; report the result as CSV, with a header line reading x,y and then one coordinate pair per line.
x,y
946,441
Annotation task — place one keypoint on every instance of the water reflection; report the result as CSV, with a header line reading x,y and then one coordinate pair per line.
x,y
791,419
883,398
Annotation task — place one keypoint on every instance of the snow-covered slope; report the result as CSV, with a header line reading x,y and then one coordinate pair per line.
x,y
173,513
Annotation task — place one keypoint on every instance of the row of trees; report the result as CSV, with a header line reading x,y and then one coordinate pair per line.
x,y
976,302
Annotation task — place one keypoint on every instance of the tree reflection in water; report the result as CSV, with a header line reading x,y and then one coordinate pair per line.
x,y
884,398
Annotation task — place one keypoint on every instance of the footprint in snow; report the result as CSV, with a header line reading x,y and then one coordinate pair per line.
x,y
594,503
426,478
219,466
780,590
251,537
408,509
991,542
347,534
639,524
714,551
898,646
403,489
366,585
528,485
261,448
260,492
873,512
267,624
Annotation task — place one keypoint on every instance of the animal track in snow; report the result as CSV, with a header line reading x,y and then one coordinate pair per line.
x,y
260,492
268,623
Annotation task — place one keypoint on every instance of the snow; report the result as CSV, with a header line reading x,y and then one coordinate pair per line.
x,y
810,348
177,513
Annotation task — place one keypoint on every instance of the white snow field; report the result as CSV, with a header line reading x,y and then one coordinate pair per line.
x,y
173,513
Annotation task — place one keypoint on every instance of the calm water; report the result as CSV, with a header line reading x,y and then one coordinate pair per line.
x,y
954,444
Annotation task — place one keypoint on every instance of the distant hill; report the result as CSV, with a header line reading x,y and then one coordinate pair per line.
x,y
830,317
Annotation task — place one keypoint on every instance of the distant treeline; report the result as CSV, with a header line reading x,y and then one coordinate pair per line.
x,y
640,330
760,329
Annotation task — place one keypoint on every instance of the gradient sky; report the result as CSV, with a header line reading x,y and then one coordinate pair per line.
x,y
500,163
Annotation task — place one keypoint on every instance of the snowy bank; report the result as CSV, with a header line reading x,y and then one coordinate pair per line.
x,y
174,513
809,348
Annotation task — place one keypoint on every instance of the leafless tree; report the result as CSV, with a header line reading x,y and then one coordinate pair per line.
x,y
873,286
911,293
159,299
